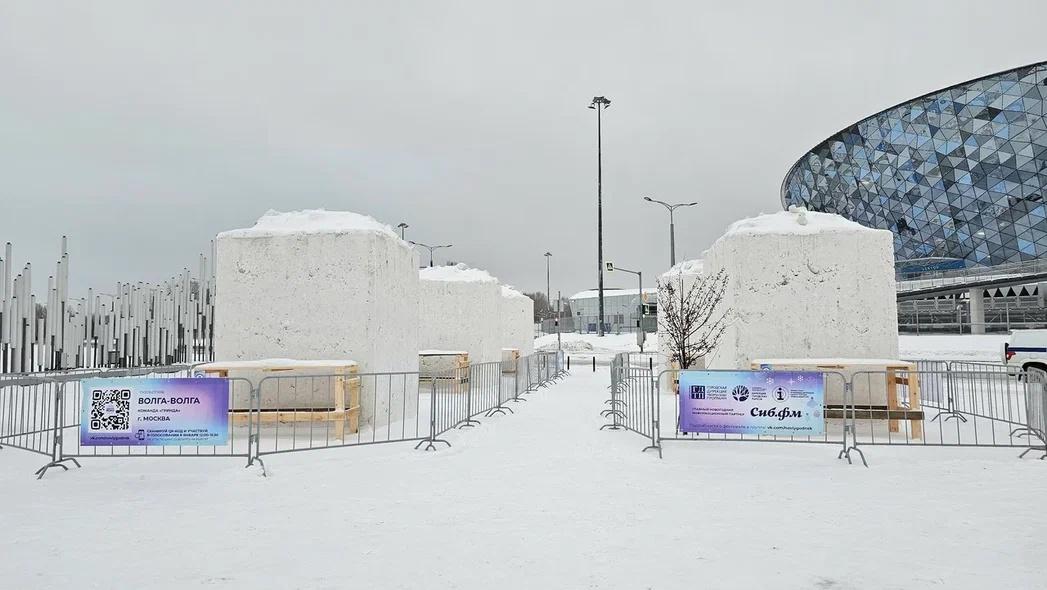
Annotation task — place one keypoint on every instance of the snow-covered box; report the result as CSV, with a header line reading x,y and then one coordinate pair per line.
x,y
805,285
517,321
313,285
460,309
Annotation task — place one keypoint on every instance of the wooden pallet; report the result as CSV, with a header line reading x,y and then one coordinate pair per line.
x,y
344,408
896,373
447,371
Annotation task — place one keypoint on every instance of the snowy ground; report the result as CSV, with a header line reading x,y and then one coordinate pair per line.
x,y
540,499
985,347
939,346
583,347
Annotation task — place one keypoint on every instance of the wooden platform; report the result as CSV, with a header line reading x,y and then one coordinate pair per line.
x,y
877,385
510,359
447,370
341,395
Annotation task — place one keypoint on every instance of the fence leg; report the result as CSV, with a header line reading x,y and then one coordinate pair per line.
x,y
254,430
516,382
614,412
469,422
656,442
430,442
57,460
499,409
848,393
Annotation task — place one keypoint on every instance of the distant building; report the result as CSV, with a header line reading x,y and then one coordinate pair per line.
x,y
621,307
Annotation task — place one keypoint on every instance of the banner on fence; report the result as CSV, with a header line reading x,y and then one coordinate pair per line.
x,y
787,403
162,412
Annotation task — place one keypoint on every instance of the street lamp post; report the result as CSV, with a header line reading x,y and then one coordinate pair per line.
x,y
672,226
431,249
548,291
599,103
640,335
402,227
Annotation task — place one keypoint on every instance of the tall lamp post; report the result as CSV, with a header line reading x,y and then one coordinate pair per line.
x,y
672,226
599,103
402,227
431,249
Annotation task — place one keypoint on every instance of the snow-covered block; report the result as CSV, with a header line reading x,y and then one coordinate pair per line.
x,y
805,285
460,309
315,285
517,319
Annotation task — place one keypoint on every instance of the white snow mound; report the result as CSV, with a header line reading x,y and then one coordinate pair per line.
x,y
457,272
797,221
311,221
687,267
508,291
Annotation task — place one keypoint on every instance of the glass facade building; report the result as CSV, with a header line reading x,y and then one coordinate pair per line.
x,y
958,175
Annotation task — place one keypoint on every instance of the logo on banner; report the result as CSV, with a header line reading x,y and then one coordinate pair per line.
x,y
740,393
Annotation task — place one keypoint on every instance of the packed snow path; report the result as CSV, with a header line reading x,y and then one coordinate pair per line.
x,y
539,499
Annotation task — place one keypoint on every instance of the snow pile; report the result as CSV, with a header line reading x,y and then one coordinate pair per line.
x,y
315,285
980,347
687,267
456,272
796,221
508,291
461,308
311,221
805,285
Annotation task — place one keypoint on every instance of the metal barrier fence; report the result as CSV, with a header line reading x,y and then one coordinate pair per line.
x,y
280,413
940,403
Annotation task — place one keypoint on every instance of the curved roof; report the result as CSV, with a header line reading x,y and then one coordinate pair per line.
x,y
959,172
825,141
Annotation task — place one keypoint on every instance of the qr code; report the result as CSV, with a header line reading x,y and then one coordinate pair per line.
x,y
110,409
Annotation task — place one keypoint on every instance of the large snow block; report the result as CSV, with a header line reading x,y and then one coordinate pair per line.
x,y
313,285
460,309
805,285
517,318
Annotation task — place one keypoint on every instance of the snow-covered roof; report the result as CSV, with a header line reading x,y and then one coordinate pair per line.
x,y
687,267
798,221
593,293
310,221
511,293
457,272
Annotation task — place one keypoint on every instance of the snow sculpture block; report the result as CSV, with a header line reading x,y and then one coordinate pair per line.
x,y
460,309
313,285
517,321
805,285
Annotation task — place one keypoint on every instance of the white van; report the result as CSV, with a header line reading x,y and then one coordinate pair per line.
x,y
1026,348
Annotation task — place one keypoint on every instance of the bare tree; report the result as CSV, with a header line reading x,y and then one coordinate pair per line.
x,y
542,308
690,316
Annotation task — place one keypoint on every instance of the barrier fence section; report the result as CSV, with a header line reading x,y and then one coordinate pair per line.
x,y
938,403
283,413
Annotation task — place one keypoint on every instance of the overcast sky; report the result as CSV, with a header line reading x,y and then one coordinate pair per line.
x,y
141,129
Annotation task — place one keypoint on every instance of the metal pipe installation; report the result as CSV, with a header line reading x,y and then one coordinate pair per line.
x,y
140,324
